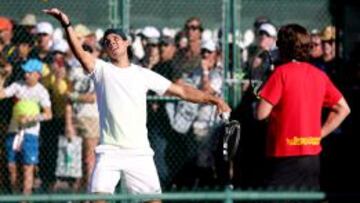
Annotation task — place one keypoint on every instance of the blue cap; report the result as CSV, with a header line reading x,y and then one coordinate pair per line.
x,y
32,65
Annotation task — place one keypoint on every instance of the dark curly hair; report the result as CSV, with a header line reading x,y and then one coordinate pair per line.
x,y
294,43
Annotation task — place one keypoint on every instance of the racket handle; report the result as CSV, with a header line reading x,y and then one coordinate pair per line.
x,y
225,116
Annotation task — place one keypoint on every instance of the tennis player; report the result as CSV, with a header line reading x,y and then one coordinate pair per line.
x,y
124,151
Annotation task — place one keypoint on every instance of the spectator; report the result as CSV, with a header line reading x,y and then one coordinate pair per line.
x,y
166,65
88,37
152,55
263,56
20,48
208,78
150,35
189,58
29,22
23,43
292,99
193,28
42,50
328,37
253,45
82,119
6,33
56,83
316,51
159,135
330,64
22,142
181,40
150,41
196,124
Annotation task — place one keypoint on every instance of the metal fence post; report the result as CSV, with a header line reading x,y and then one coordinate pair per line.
x,y
235,50
226,31
228,194
125,14
113,13
119,14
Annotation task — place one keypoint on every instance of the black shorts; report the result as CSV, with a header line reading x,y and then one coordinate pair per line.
x,y
293,173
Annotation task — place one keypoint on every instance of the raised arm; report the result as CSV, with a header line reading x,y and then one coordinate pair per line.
x,y
191,94
86,59
336,116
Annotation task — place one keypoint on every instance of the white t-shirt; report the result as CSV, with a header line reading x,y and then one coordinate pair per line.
x,y
21,91
121,96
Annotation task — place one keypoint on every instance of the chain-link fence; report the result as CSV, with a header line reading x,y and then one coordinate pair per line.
x,y
178,39
311,14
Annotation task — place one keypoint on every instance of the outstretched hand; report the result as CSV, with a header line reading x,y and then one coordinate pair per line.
x,y
58,14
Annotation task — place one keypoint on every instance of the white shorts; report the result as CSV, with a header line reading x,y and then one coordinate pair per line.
x,y
138,173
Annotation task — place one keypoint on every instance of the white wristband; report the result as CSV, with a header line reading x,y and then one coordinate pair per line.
x,y
39,118
74,96
206,72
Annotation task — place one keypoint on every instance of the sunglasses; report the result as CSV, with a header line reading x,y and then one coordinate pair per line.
x,y
193,27
205,51
164,44
152,45
263,33
331,41
42,34
313,45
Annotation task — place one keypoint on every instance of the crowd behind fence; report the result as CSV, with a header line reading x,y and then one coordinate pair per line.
x,y
186,41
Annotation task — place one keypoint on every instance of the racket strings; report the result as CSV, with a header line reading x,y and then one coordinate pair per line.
x,y
232,133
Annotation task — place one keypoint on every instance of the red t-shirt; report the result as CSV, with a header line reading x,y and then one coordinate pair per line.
x,y
298,91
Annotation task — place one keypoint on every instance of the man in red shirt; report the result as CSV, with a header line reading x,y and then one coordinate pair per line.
x,y
292,99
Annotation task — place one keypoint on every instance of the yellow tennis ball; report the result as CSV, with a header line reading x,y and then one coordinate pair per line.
x,y
25,108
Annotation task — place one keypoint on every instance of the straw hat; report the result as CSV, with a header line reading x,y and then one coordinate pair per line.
x,y
328,33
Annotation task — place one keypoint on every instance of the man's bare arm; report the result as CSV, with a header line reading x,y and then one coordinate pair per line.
x,y
336,116
192,94
264,109
86,59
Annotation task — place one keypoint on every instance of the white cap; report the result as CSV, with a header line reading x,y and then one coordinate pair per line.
x,y
269,29
58,34
168,32
138,48
151,32
208,45
44,27
60,45
99,33
248,38
206,35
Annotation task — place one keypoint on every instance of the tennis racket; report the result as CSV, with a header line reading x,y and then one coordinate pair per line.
x,y
231,138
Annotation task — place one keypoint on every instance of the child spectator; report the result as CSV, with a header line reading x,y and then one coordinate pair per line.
x,y
25,129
